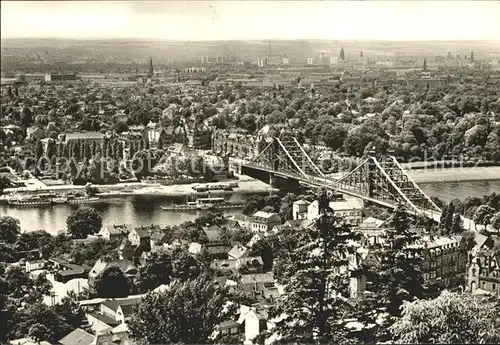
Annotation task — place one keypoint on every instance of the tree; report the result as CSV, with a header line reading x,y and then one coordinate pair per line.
x,y
495,222
70,311
286,209
18,282
457,224
483,215
186,313
9,229
26,117
155,272
252,204
224,236
274,201
450,318
111,283
83,222
41,284
447,217
31,318
120,127
86,253
316,276
395,278
334,136
185,266
4,183
6,312
38,332
249,122
263,249
38,149
400,278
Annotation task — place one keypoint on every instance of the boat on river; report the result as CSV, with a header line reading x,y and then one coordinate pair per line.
x,y
47,199
28,201
203,204
82,200
207,187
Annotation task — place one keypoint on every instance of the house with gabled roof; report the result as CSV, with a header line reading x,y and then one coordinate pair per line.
x,y
238,251
299,209
264,221
114,338
140,236
216,250
484,271
34,133
77,337
243,220
126,266
120,310
212,232
115,231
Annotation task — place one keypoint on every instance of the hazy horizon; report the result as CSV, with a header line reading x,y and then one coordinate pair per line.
x,y
200,21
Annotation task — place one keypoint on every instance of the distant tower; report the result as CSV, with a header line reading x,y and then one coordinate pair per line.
x,y
472,56
425,64
270,52
342,54
151,70
361,54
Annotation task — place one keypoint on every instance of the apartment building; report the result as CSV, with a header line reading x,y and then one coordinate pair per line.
x,y
445,262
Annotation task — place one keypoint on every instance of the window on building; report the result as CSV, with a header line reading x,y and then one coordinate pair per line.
x,y
494,286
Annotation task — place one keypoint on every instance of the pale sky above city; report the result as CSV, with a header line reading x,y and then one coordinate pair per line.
x,y
231,20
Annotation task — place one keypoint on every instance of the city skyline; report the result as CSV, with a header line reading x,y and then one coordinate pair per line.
x,y
248,20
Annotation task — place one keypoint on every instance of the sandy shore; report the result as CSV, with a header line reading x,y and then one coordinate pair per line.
x,y
245,186
455,174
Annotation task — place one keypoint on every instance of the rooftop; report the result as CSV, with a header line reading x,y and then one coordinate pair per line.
x,y
114,304
264,215
84,135
257,278
77,337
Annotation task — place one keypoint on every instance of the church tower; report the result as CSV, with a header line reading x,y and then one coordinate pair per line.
x,y
151,70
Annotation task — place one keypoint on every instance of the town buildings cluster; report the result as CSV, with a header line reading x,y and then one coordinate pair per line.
x,y
229,113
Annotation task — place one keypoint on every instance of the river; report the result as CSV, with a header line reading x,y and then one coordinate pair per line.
x,y
146,209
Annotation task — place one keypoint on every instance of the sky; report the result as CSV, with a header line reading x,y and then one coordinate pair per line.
x,y
234,20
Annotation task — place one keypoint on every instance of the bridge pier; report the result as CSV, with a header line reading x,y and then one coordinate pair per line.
x,y
272,180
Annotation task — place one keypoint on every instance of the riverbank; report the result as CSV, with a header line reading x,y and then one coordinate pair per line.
x,y
246,185
456,174
444,164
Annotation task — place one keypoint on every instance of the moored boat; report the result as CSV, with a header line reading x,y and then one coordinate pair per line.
x,y
203,204
28,201
82,200
204,188
60,200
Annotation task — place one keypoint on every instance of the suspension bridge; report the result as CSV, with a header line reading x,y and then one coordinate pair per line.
x,y
382,181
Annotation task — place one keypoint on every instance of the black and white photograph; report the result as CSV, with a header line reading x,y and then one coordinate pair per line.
x,y
265,172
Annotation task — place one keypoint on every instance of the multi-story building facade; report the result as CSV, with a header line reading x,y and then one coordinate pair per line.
x,y
350,209
484,272
262,62
60,77
445,262
237,144
264,221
